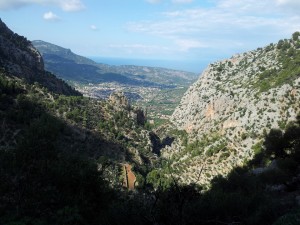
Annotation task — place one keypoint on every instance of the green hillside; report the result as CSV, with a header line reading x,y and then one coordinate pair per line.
x,y
62,158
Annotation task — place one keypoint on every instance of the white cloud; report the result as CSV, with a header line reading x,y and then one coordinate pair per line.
x,y
66,5
289,5
173,1
93,27
186,45
7,4
140,48
224,25
288,2
153,1
182,1
71,5
51,16
175,47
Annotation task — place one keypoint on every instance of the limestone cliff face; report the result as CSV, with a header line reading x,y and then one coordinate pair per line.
x,y
234,102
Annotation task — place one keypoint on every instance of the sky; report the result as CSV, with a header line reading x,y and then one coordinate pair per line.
x,y
179,31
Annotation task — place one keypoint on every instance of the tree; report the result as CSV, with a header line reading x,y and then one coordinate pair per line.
x,y
296,36
274,144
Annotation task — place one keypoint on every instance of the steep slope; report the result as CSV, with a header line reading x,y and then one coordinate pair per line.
x,y
48,50
95,128
19,58
61,159
233,104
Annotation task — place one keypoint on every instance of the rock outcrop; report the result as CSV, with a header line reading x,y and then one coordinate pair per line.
x,y
18,57
18,54
233,104
119,100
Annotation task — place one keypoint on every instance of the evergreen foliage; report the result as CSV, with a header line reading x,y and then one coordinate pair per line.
x,y
49,174
43,183
289,58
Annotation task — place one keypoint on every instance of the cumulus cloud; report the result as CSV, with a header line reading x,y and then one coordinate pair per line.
x,y
66,5
50,16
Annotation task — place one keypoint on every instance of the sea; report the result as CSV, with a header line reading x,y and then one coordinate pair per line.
x,y
189,66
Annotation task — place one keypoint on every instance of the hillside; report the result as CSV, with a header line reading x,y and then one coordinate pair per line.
x,y
157,89
70,66
19,58
68,159
235,102
34,100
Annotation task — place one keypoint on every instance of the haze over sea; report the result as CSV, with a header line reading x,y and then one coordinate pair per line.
x,y
190,66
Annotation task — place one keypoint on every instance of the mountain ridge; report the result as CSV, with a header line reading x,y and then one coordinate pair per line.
x,y
154,88
142,75
61,157
234,103
18,57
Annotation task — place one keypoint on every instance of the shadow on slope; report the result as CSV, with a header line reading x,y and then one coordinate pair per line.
x,y
49,170
265,191
49,177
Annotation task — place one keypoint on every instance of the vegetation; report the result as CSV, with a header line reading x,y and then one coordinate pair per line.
x,y
41,182
162,104
289,58
243,197
59,158
47,185
21,41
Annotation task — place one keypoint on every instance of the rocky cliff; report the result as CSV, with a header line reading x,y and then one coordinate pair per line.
x,y
18,57
18,54
232,105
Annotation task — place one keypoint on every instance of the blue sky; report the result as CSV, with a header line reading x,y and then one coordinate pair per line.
x,y
198,31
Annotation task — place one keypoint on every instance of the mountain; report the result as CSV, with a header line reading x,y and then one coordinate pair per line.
x,y
68,159
62,153
157,89
233,105
109,128
49,50
18,57
70,66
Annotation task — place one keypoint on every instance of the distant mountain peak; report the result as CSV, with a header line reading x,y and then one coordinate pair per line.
x,y
47,48
73,67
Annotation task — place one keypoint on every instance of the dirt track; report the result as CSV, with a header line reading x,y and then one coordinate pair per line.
x,y
129,177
